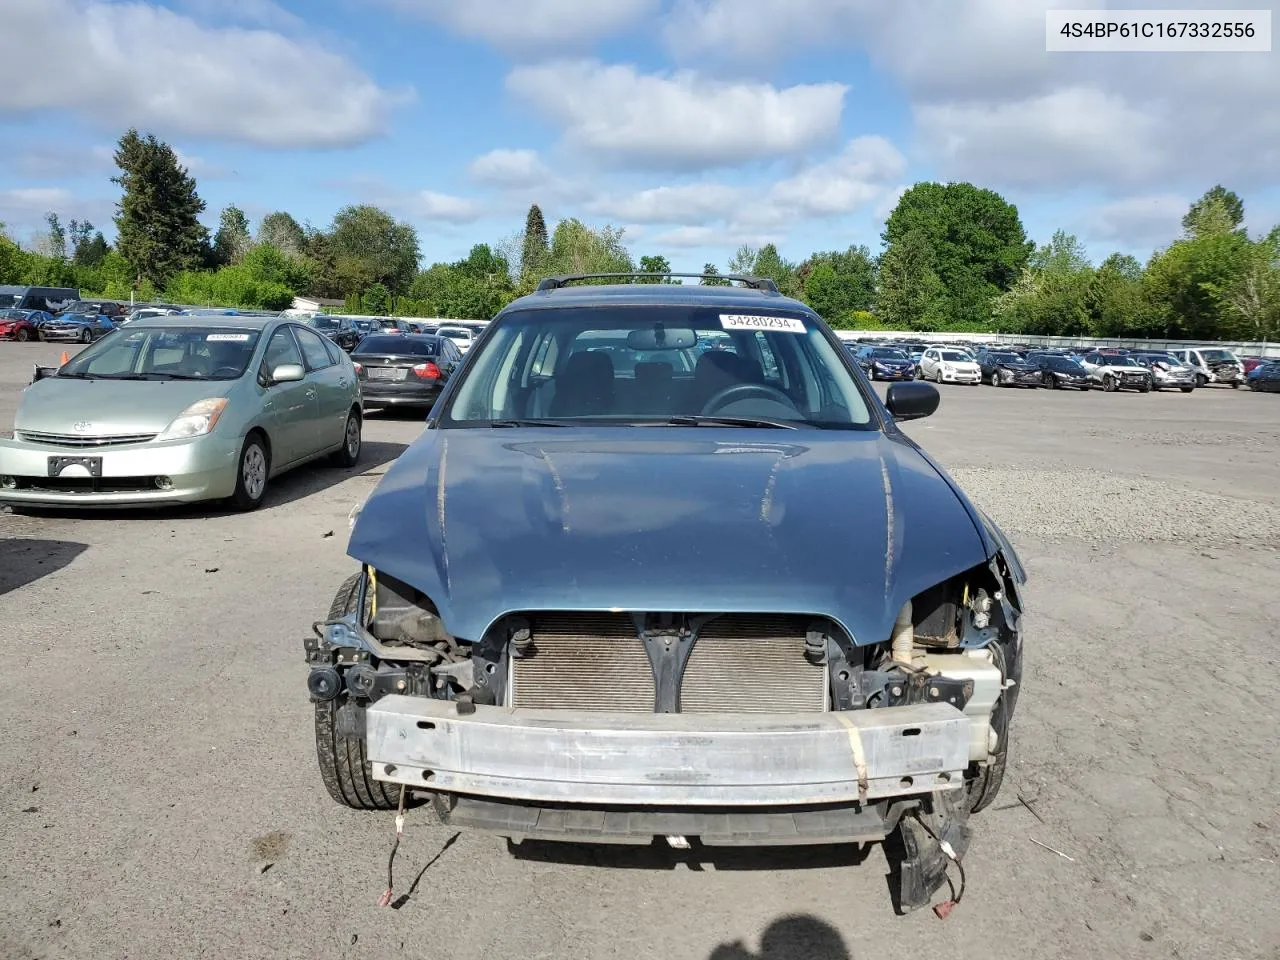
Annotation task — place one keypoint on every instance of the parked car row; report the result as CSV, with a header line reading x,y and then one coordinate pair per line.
x,y
1108,369
347,332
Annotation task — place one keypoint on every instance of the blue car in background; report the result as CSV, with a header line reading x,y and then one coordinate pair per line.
x,y
76,327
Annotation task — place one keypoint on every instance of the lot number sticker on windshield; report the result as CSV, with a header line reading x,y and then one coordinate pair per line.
x,y
737,321
233,337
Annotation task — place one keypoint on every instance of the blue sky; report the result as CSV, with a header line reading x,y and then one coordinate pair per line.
x,y
698,125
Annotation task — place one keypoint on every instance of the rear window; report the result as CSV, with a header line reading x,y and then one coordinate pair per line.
x,y
404,346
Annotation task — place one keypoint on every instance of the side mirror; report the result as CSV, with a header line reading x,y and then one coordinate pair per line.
x,y
912,400
290,373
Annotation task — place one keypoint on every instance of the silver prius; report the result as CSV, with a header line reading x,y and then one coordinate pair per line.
x,y
179,409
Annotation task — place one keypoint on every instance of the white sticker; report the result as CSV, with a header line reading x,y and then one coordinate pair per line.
x,y
737,321
232,337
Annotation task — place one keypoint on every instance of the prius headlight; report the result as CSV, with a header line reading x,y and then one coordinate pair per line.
x,y
195,421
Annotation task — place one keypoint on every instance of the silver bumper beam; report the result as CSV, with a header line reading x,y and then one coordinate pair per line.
x,y
676,760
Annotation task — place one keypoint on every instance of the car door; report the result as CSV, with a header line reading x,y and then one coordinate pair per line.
x,y
928,363
291,409
332,383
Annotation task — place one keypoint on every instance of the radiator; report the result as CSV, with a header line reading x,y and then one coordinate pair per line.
x,y
739,664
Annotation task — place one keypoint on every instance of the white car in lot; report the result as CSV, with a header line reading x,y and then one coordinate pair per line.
x,y
462,336
942,365
1213,365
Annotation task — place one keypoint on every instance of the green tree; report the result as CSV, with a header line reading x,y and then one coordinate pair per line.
x,y
56,238
711,277
770,264
576,248
376,300
743,262
369,246
1219,211
1114,298
158,215
656,264
536,246
283,232
837,283
232,241
1183,284
1250,301
975,243
910,294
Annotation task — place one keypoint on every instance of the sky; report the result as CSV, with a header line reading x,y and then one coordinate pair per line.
x,y
696,125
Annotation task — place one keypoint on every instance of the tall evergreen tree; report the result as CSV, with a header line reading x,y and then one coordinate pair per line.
x,y
536,245
158,216
232,241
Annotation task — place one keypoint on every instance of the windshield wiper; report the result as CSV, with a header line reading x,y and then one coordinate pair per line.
x,y
706,421
527,423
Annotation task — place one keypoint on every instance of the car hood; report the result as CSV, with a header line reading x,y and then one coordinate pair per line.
x,y
847,525
890,362
54,404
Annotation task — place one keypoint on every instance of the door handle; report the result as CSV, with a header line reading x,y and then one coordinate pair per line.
x,y
311,393
344,382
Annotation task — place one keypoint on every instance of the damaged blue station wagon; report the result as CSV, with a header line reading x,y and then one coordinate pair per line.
x,y
662,565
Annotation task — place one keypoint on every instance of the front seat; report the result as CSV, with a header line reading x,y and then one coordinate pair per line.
x,y
584,387
715,370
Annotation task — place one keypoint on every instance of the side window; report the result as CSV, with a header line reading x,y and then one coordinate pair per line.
x,y
768,361
334,351
281,350
313,349
544,358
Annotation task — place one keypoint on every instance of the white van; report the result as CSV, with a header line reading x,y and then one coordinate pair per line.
x,y
1213,365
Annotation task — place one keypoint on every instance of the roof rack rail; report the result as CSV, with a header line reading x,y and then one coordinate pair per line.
x,y
755,283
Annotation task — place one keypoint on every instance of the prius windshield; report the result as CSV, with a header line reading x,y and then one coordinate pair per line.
x,y
654,365
165,353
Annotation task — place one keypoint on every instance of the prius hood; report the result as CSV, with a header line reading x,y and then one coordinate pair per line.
x,y
105,407
839,524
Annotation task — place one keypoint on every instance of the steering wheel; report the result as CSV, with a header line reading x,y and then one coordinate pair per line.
x,y
744,391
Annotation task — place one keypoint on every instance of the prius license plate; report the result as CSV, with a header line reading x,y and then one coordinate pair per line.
x,y
387,373
75,466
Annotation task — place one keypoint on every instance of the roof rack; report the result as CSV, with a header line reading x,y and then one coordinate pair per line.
x,y
755,283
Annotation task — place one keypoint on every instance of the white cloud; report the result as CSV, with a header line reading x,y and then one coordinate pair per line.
x,y
1072,135
203,169
258,13
144,65
429,205
691,203
529,27
677,121
50,161
863,175
991,104
512,169
35,199
23,209
1140,221
703,238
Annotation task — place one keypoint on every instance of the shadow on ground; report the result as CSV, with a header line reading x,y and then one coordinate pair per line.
x,y
799,937
23,561
295,485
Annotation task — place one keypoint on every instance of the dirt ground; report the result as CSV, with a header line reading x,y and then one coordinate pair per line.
x,y
160,798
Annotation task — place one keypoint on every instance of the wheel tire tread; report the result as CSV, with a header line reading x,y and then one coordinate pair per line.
x,y
344,765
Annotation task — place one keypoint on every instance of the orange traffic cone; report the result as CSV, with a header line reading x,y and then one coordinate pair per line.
x,y
65,358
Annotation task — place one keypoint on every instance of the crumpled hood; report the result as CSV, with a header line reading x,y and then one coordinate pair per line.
x,y
54,404
486,522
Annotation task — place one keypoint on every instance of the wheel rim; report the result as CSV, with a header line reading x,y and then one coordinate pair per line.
x,y
22,335
85,336
353,436
253,471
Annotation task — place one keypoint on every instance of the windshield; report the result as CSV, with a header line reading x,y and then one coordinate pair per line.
x,y
888,354
8,300
324,323
1117,361
410,346
85,308
1063,365
648,364
955,356
1215,355
13,314
165,353
1005,357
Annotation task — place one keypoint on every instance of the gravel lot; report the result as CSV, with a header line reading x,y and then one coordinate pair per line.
x,y
158,751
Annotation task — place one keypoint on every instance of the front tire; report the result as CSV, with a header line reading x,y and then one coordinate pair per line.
x,y
984,784
23,335
344,765
1186,389
252,471
86,335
